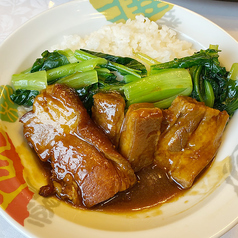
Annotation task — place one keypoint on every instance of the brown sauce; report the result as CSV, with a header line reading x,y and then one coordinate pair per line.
x,y
153,188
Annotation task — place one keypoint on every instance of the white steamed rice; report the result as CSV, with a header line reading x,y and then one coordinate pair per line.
x,y
139,35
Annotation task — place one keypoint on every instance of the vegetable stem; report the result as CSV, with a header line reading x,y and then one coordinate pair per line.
x,y
165,103
89,64
69,54
82,55
59,72
233,74
31,81
80,79
156,87
209,94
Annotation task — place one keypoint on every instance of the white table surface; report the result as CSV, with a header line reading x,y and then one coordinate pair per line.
x,y
13,13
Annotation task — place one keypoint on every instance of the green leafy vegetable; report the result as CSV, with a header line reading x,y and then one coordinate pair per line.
x,y
53,75
32,81
157,87
145,58
69,54
90,64
233,74
208,58
131,63
230,104
123,65
80,79
49,60
165,103
200,76
24,97
209,94
211,83
86,95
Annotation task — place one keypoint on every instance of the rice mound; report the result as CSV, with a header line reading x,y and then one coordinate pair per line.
x,y
139,35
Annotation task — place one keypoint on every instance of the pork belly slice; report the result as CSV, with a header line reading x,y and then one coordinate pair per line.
x,y
190,139
59,117
56,112
108,114
77,164
140,134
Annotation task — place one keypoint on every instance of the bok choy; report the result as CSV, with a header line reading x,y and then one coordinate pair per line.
x,y
142,79
154,88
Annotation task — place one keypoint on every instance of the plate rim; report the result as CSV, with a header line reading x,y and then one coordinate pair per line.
x,y
73,2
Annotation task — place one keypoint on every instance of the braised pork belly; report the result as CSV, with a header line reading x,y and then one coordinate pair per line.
x,y
94,158
190,138
140,134
86,168
108,113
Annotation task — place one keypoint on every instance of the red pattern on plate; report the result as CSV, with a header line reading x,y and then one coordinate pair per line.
x,y
16,207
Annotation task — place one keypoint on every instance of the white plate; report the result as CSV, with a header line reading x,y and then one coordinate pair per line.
x,y
209,209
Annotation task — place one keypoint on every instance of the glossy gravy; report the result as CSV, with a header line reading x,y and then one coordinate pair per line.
x,y
153,188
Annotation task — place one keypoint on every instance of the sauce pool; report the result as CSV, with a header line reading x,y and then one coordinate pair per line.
x,y
153,188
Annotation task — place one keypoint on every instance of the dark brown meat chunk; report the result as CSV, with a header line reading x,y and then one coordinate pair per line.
x,y
74,160
190,139
140,134
59,127
108,114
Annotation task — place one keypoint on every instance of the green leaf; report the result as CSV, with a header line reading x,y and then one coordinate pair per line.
x,y
125,61
24,97
49,60
208,58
